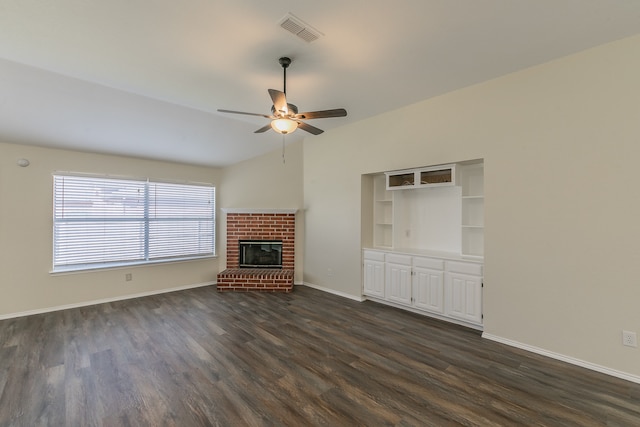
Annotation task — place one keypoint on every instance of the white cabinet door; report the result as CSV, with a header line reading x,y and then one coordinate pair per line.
x,y
464,297
428,289
374,278
398,283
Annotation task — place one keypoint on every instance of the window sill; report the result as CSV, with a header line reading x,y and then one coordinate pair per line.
x,y
60,271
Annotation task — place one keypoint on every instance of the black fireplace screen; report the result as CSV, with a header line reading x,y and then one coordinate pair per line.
x,y
260,254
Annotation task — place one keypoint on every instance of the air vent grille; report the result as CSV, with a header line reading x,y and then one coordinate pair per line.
x,y
300,28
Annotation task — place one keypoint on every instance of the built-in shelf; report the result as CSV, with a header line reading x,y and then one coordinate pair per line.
x,y
382,214
473,241
472,183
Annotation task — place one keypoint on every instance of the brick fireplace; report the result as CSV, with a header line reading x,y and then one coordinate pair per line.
x,y
253,224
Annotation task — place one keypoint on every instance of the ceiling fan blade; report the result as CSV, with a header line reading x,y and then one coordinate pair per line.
x,y
336,112
311,129
279,101
246,114
263,128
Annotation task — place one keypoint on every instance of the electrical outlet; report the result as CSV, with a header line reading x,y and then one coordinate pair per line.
x,y
128,277
629,339
329,272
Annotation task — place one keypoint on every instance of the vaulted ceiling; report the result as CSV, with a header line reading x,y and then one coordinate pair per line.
x,y
144,78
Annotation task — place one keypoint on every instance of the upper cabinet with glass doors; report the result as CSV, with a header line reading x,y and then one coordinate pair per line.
x,y
434,176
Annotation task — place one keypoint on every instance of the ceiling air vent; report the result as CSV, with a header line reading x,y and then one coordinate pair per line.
x,y
300,28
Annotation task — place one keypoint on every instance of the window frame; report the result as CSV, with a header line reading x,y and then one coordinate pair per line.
x,y
146,220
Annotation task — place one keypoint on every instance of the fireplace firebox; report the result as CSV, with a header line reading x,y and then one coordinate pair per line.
x,y
260,254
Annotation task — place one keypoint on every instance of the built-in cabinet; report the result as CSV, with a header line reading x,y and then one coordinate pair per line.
x,y
463,291
428,240
428,284
397,282
441,287
434,176
374,274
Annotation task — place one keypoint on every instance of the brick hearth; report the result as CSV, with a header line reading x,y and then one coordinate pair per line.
x,y
255,279
254,225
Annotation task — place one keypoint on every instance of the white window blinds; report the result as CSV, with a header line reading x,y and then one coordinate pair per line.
x,y
101,222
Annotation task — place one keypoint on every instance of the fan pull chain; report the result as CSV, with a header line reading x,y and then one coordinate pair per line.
x,y
283,149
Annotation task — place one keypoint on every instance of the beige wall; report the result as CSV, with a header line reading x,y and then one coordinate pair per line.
x,y
561,144
26,232
265,182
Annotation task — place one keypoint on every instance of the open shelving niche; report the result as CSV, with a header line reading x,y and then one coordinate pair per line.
x,y
432,209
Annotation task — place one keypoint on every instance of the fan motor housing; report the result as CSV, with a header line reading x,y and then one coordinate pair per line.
x,y
293,110
284,61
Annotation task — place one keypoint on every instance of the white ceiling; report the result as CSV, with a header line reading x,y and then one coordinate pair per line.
x,y
145,77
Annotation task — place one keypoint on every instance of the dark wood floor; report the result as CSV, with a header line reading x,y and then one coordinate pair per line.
x,y
198,357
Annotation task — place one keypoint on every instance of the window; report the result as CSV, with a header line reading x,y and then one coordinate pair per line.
x,y
104,222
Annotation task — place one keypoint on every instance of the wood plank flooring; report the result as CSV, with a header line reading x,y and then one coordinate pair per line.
x,y
200,358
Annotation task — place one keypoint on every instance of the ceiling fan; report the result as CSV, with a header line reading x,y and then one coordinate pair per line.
x,y
284,116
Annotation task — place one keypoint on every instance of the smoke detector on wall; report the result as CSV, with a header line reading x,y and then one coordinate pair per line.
x,y
299,28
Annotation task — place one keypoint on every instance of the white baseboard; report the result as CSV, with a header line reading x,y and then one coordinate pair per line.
x,y
333,291
101,301
562,357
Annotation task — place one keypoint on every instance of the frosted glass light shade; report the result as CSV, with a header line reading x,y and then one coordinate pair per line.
x,y
284,126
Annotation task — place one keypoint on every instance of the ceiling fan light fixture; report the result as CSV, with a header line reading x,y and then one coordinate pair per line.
x,y
284,116
284,126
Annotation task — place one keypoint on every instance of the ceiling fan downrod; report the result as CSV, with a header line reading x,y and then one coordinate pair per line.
x,y
284,62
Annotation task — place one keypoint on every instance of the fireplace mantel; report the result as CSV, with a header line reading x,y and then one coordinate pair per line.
x,y
258,211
